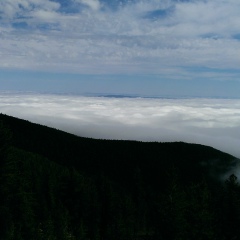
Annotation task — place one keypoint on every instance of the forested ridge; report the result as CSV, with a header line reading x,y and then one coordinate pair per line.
x,y
54,185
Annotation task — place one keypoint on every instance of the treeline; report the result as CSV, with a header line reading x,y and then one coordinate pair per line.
x,y
55,185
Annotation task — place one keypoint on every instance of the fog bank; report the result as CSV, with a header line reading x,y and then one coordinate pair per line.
x,y
212,122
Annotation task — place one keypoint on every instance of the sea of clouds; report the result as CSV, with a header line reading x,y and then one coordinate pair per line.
x,y
213,122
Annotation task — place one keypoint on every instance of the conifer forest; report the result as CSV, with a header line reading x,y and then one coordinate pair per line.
x,y
57,186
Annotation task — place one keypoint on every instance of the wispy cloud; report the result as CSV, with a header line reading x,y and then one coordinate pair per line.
x,y
130,37
214,122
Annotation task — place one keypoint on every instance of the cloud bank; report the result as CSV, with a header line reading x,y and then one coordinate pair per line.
x,y
166,37
213,122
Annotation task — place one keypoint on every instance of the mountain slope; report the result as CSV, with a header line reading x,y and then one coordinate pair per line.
x,y
94,155
56,185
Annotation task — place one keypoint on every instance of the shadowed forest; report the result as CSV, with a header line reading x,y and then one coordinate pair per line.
x,y
57,186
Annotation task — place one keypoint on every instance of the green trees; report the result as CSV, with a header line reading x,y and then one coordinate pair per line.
x,y
60,187
6,226
230,208
185,212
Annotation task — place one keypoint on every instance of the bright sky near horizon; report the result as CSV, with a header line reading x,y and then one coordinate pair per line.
x,y
148,47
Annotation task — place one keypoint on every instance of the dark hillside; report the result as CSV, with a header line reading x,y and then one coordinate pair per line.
x,y
114,157
54,185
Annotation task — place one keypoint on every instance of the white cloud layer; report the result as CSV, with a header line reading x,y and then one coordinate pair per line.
x,y
146,36
93,4
213,122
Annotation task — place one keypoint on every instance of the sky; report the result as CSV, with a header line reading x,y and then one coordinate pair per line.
x,y
147,47
58,58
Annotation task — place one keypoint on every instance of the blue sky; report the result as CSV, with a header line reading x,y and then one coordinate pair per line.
x,y
146,47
